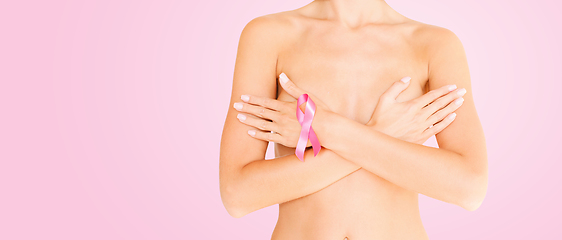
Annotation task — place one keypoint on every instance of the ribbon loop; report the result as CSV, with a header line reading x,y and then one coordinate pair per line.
x,y
305,119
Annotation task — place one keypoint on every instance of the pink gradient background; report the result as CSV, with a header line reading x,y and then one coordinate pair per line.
x,y
112,113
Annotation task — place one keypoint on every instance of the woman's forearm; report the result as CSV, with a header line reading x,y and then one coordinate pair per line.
x,y
263,183
437,173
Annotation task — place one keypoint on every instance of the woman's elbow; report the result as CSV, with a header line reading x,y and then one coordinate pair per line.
x,y
235,212
231,201
475,191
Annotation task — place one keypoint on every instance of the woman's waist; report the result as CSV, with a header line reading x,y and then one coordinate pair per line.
x,y
349,207
360,194
356,216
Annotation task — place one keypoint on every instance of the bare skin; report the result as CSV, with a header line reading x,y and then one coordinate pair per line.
x,y
333,196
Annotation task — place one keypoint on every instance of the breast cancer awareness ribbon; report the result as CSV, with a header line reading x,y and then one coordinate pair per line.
x,y
305,119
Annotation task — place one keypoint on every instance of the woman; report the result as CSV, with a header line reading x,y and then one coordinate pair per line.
x,y
382,84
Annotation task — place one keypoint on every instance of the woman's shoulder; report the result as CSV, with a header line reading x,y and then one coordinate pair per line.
x,y
432,35
275,21
265,25
278,29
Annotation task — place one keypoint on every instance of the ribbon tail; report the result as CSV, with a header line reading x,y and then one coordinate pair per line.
x,y
301,144
314,141
300,155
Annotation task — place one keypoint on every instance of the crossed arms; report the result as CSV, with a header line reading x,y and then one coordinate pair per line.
x,y
455,173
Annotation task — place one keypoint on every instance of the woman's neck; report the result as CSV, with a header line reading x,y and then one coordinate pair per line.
x,y
357,13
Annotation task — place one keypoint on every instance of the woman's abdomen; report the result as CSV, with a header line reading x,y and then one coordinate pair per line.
x,y
358,206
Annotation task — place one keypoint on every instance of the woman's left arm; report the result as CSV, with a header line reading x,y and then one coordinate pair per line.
x,y
457,171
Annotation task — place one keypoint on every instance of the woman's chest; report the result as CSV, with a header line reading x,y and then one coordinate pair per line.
x,y
350,73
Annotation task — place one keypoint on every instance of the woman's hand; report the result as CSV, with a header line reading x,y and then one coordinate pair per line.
x,y
418,119
277,116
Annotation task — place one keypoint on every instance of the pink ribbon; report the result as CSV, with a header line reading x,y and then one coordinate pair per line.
x,y
305,119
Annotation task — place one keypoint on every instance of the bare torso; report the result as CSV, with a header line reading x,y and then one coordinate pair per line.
x,y
348,70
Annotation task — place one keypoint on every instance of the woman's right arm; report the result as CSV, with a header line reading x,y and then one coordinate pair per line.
x,y
248,182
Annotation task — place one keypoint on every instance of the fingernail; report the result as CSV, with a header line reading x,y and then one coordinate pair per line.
x,y
461,92
452,87
406,79
452,116
241,117
459,101
283,78
238,105
245,98
252,133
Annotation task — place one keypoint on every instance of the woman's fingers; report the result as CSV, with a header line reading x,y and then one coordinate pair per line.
x,y
443,101
439,115
395,89
438,127
258,123
292,89
258,111
432,95
264,102
267,136
289,86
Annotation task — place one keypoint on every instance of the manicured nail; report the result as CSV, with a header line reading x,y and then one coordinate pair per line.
x,y
238,106
241,117
245,98
452,116
461,92
459,101
252,133
406,79
283,78
452,87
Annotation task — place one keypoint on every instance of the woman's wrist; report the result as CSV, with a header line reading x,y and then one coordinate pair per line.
x,y
322,123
